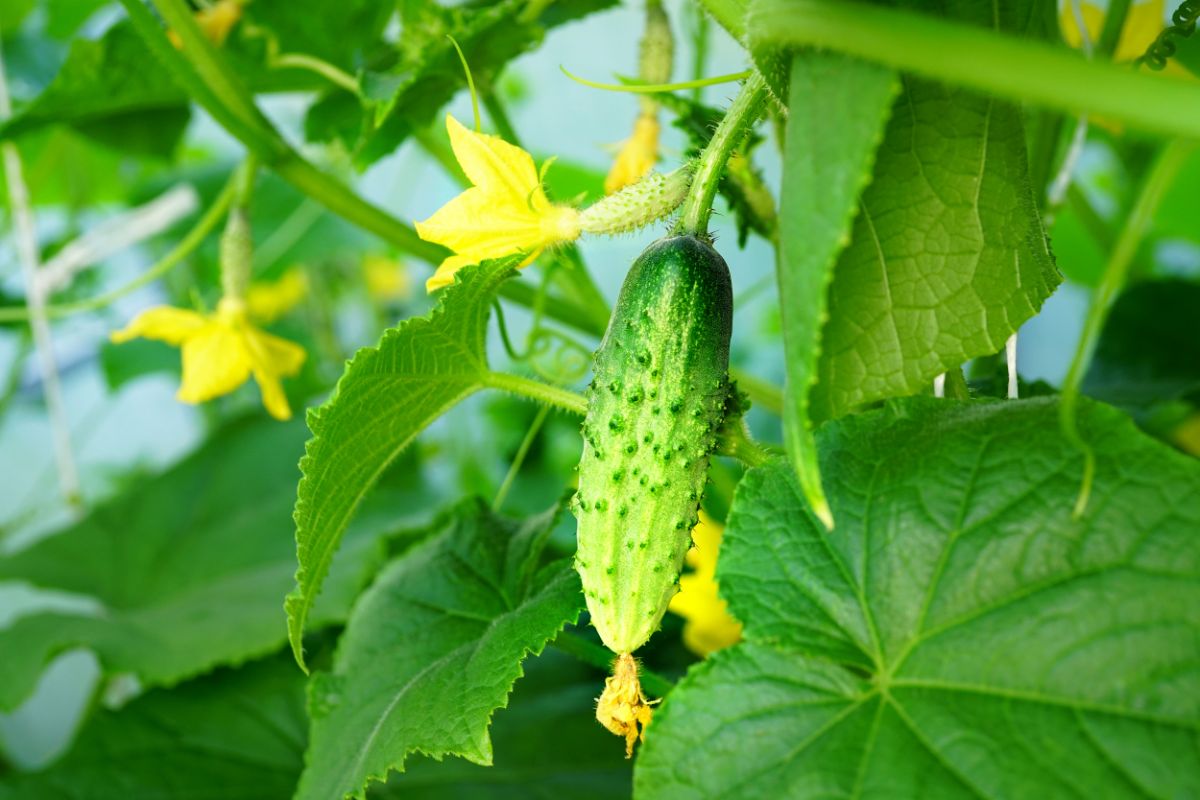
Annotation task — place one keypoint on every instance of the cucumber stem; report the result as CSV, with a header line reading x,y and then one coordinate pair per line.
x,y
747,107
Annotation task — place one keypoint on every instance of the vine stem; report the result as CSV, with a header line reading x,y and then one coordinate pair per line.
x,y
1155,183
536,390
747,107
25,235
981,59
519,458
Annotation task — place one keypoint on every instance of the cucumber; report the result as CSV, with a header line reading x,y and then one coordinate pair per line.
x,y
655,403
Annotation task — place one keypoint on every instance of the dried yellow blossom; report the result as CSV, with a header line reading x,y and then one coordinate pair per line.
x,y
623,708
505,211
638,155
267,302
220,352
709,627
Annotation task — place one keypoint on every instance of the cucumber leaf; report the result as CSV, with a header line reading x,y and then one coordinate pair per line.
x,y
839,107
959,634
557,693
947,257
387,395
105,91
237,733
184,571
433,649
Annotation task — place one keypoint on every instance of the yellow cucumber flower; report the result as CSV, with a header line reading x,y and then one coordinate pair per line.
x,y
709,627
267,302
505,211
220,352
638,155
215,22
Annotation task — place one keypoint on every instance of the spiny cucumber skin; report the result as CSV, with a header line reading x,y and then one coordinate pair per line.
x,y
656,401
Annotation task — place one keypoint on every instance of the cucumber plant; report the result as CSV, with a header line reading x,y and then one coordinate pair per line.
x,y
892,524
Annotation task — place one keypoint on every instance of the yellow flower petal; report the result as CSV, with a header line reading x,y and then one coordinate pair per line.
x,y
162,323
638,155
497,168
444,276
506,211
270,359
709,626
267,302
214,363
221,351
272,353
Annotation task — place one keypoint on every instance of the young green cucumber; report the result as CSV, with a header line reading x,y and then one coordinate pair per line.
x,y
655,404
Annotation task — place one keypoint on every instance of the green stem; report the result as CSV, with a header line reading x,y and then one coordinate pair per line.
x,y
498,114
1114,23
741,116
602,658
212,217
736,443
555,396
991,62
519,458
213,70
700,42
1155,183
323,68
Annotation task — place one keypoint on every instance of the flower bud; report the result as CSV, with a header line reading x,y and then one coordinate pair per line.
x,y
652,198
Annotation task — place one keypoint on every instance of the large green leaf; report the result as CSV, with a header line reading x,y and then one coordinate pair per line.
x,y
233,735
433,649
947,257
959,634
106,90
548,746
187,567
387,395
839,107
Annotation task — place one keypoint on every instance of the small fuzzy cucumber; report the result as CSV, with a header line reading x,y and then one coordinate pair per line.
x,y
655,404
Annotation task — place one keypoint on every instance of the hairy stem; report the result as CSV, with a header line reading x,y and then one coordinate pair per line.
x,y
747,107
536,390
